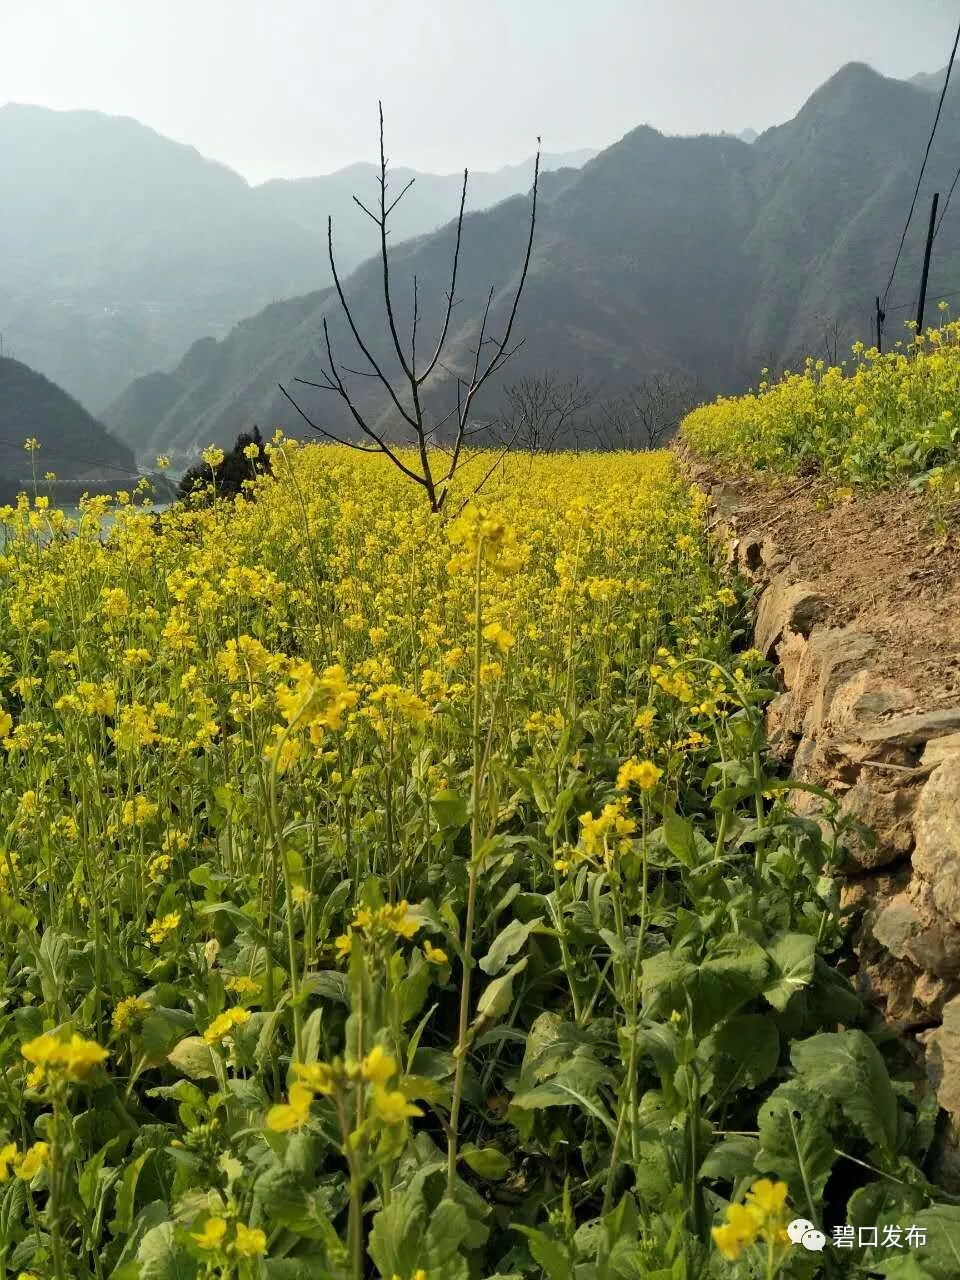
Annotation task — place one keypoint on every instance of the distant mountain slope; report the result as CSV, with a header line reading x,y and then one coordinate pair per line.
x,y
705,256
428,204
72,442
930,80
119,247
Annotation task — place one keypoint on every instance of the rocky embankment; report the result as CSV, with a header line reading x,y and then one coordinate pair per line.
x,y
858,603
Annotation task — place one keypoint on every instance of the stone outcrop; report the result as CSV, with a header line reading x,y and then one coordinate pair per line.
x,y
894,765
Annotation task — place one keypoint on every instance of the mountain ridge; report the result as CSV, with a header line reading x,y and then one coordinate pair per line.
x,y
120,247
704,256
72,443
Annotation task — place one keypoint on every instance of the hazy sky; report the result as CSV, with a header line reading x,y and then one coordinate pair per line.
x,y
283,88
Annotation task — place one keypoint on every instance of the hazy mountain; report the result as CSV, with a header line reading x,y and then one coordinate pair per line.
x,y
933,81
119,247
705,257
432,200
73,444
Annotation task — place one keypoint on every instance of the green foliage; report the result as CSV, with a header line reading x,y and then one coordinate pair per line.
x,y
232,476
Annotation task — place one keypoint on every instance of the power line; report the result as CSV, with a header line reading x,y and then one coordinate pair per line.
x,y
940,297
946,203
926,157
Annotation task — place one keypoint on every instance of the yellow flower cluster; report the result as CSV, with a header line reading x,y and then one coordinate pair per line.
x,y
318,1079
479,532
870,420
128,1013
24,1165
222,1027
61,1058
763,1216
375,926
641,773
161,929
246,1242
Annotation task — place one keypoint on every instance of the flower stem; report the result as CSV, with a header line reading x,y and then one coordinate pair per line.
x,y
460,1053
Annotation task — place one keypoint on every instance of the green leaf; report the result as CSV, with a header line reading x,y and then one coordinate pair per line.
x,y
289,1200
938,1258
127,1194
560,811
162,1029
450,810
89,1178
741,1053
732,974
486,1162
403,1237
498,995
414,988
507,943
731,1160
550,1040
578,1076
846,1067
194,1058
162,1258
328,984
548,1253
680,839
796,1143
449,1227
792,957
397,1232
245,923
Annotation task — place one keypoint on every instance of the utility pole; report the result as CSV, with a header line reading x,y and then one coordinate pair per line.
x,y
926,262
881,316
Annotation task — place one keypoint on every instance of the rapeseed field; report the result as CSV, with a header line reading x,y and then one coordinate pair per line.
x,y
387,894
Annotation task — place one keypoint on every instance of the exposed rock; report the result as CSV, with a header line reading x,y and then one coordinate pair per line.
x,y
750,554
791,653
787,607
863,698
889,983
933,993
943,1058
831,656
888,814
781,740
939,749
846,724
865,897
913,730
725,498
910,928
936,856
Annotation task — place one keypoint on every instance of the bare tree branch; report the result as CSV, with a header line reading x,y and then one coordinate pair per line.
x,y
422,436
364,448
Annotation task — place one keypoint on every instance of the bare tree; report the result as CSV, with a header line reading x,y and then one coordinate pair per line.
x,y
832,341
646,416
490,356
542,412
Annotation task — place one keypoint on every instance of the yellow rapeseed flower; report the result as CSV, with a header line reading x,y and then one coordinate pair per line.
x,y
223,1025
392,1106
212,1236
250,1242
435,955
32,1161
161,929
642,773
58,1058
294,1113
